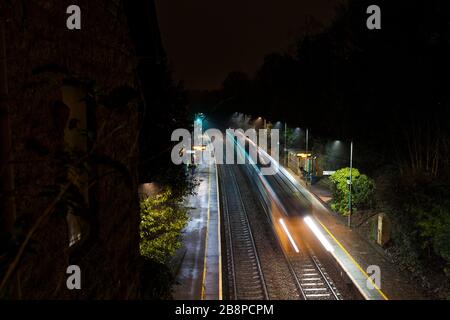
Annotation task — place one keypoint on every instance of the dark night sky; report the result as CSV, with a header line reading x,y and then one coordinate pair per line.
x,y
206,39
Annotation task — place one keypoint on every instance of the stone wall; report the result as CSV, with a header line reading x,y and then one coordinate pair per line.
x,y
42,56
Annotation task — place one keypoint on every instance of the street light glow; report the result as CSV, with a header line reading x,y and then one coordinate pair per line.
x,y
199,148
303,155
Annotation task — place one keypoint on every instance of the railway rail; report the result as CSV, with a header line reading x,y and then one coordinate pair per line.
x,y
246,279
245,274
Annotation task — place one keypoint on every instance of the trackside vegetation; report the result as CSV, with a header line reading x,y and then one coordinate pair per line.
x,y
362,190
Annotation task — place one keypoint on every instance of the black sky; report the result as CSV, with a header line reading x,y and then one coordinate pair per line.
x,y
206,39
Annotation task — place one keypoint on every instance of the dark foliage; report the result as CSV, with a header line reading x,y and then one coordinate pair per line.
x,y
385,89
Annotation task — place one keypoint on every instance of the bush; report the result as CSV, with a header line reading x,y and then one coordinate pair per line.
x,y
433,221
156,281
162,219
434,229
362,190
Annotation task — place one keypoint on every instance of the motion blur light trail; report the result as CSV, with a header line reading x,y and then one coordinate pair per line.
x,y
308,220
289,235
319,235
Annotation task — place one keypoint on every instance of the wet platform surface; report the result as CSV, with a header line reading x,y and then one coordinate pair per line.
x,y
199,274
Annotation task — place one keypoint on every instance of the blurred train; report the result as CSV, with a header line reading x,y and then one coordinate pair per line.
x,y
277,192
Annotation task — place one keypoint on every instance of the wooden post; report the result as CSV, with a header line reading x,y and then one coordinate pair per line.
x,y
383,229
76,142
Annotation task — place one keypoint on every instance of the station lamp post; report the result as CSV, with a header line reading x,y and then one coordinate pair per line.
x,y
286,162
307,138
308,159
350,186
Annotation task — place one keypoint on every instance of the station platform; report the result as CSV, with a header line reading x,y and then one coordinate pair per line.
x,y
199,275
354,253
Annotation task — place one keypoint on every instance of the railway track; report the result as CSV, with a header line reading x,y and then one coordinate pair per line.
x,y
313,280
310,277
245,274
246,279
